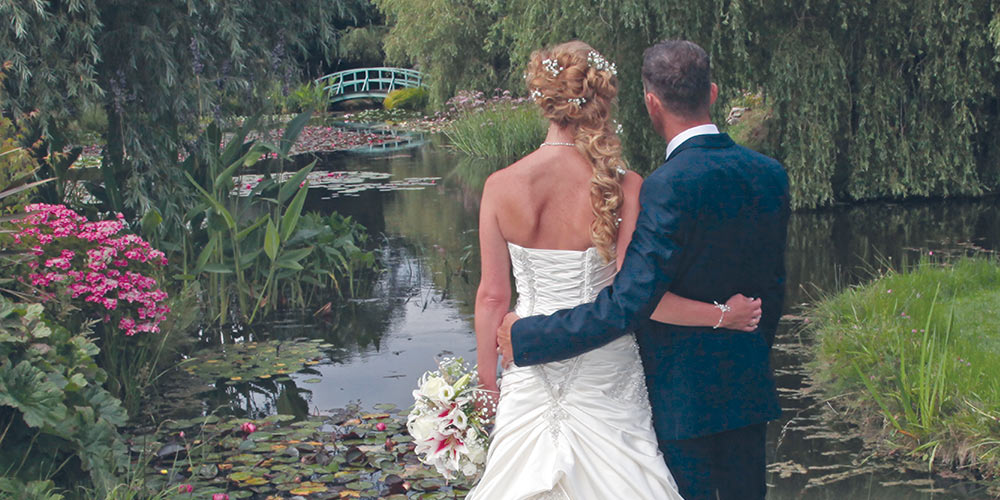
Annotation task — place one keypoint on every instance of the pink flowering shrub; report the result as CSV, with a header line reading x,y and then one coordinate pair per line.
x,y
94,262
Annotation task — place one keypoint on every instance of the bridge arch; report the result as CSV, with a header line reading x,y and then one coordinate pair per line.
x,y
368,82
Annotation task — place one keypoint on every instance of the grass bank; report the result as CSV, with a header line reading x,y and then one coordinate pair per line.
x,y
915,356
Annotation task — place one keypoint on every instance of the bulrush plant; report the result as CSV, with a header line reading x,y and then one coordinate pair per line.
x,y
95,271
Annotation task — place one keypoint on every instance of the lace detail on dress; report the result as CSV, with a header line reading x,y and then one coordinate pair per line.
x,y
555,414
529,275
553,494
631,385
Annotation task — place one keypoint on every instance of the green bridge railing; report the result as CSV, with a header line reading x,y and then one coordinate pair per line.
x,y
368,82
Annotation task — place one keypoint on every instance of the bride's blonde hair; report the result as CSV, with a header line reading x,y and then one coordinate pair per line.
x,y
575,86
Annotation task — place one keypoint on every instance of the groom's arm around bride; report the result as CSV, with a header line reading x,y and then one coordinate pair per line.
x,y
712,224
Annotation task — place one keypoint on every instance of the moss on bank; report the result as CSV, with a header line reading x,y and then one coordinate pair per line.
x,y
916,355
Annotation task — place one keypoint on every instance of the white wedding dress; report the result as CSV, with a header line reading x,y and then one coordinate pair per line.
x,y
577,429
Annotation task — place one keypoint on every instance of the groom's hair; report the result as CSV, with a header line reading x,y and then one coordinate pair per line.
x,y
679,73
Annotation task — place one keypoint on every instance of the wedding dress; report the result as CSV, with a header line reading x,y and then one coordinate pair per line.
x,y
577,429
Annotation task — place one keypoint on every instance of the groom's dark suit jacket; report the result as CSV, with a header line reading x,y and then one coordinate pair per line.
x,y
712,224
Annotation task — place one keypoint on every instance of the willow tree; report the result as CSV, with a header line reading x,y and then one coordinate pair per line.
x,y
158,68
869,100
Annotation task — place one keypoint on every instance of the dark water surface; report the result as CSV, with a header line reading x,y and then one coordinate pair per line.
x,y
422,308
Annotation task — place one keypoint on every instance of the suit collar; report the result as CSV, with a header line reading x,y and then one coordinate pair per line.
x,y
714,141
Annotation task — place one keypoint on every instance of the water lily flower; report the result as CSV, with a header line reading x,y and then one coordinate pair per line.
x,y
248,427
220,496
185,488
380,426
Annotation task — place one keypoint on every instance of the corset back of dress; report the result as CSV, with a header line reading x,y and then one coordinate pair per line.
x,y
550,280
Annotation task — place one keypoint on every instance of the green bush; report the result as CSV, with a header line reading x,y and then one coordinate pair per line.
x,y
309,96
59,422
414,98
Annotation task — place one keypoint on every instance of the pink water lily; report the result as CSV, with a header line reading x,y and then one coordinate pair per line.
x,y
185,488
248,427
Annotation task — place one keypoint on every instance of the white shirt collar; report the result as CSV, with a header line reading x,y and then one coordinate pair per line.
x,y
689,133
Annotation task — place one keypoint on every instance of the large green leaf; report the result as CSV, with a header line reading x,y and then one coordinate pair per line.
x,y
217,268
25,387
294,182
271,240
292,132
206,253
293,212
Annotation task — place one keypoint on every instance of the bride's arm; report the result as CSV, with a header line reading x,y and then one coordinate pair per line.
x,y
674,309
493,296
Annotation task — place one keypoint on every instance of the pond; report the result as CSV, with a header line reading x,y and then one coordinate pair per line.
x,y
371,351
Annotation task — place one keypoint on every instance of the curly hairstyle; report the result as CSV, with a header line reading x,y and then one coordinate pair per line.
x,y
573,92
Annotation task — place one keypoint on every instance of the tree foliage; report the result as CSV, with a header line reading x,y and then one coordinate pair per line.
x,y
158,68
872,99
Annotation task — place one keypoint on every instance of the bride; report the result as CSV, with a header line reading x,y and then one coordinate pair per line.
x,y
561,218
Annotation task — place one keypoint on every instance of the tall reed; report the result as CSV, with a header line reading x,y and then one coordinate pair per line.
x,y
499,127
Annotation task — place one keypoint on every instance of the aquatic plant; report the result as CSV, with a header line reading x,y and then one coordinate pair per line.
x,y
349,454
500,126
920,349
250,249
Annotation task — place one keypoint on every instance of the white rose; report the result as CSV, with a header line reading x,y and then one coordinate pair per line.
x,y
433,387
477,452
422,428
469,469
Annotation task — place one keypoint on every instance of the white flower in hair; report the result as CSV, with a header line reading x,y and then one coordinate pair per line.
x,y
596,60
536,94
552,66
579,101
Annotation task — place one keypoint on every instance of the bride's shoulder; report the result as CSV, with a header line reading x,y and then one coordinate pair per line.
x,y
511,177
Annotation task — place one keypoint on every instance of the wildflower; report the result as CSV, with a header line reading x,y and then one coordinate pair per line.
x,y
185,488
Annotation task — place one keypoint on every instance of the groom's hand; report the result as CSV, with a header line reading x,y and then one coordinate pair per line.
x,y
505,349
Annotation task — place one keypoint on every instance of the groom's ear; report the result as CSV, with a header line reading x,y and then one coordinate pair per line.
x,y
653,104
713,94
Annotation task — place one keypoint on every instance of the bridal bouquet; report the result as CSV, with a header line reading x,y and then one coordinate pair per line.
x,y
447,427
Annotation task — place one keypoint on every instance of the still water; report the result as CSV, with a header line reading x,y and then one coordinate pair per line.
x,y
422,304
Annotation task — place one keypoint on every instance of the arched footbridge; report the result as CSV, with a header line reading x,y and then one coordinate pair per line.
x,y
368,82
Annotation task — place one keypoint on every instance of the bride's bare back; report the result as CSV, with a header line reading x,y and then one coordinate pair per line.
x,y
543,200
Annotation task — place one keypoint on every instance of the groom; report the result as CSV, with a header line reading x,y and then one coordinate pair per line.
x,y
712,224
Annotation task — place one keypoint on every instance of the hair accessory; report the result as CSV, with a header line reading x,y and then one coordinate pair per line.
x,y
596,60
579,101
552,66
621,171
558,144
536,94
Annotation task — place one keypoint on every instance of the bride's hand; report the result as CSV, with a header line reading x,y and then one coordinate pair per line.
x,y
744,313
486,401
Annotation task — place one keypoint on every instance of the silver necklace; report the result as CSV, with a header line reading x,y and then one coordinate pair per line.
x,y
558,144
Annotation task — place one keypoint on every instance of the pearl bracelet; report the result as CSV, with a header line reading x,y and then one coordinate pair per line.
x,y
724,308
